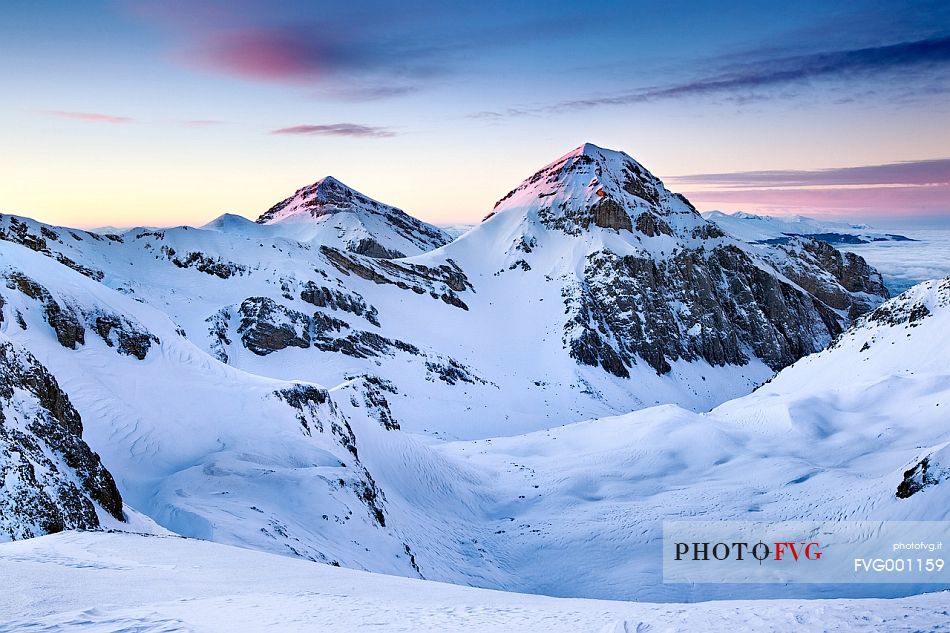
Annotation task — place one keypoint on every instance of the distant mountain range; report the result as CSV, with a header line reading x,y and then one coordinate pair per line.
x,y
767,229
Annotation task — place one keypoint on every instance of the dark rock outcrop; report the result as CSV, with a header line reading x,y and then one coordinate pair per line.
x,y
66,321
908,309
651,225
218,325
442,282
843,281
204,263
266,326
629,307
370,391
371,248
313,406
452,372
117,331
609,214
49,477
69,323
13,229
922,475
351,302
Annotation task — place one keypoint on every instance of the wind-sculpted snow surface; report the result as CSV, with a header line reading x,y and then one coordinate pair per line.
x,y
125,582
856,432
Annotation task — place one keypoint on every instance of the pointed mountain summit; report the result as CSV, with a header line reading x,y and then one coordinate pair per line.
x,y
329,212
646,280
596,187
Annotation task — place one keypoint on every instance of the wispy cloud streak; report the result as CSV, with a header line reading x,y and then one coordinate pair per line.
x,y
90,117
920,172
336,129
741,81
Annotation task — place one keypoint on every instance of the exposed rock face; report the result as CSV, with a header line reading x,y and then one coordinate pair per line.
x,y
651,226
334,335
610,215
307,400
712,306
908,309
351,302
313,405
50,480
452,372
359,223
218,325
844,281
69,323
12,229
372,248
65,320
441,283
117,331
204,263
266,326
674,286
370,391
925,473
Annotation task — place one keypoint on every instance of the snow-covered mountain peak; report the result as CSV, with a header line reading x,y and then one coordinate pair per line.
x,y
326,196
230,223
331,213
592,187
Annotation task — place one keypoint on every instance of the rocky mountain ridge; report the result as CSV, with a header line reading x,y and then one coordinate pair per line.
x,y
590,269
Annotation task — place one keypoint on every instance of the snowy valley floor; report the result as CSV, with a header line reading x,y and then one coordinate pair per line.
x,y
124,582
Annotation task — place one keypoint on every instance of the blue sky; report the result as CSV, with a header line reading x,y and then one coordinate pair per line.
x,y
131,112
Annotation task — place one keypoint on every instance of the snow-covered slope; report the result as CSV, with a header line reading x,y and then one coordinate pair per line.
x,y
113,582
857,432
204,449
574,510
766,228
328,212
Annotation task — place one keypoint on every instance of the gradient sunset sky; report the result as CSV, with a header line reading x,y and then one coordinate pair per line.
x,y
159,113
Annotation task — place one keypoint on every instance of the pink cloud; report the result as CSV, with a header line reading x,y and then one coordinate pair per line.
x,y
270,54
90,117
899,200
